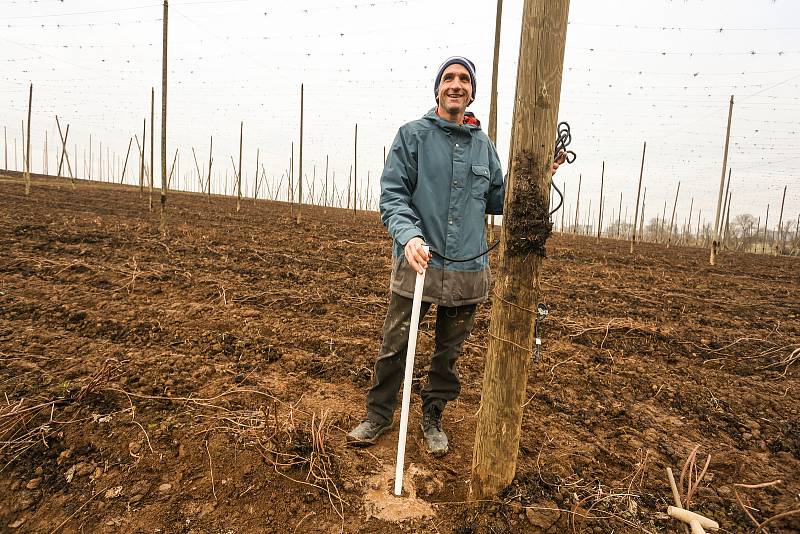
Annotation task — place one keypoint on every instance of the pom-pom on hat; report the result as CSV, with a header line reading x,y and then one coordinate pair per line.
x,y
460,60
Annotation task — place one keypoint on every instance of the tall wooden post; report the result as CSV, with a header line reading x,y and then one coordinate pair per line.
x,y
141,158
526,228
715,242
725,208
28,142
355,171
325,204
780,223
125,165
577,204
239,171
641,220
766,227
493,101
300,168
727,222
619,216
255,186
672,219
602,205
163,223
152,145
210,159
290,192
638,192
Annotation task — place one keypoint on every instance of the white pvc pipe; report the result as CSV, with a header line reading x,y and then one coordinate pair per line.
x,y
406,403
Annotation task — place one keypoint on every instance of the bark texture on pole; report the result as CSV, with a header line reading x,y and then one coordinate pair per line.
x,y
163,224
715,241
526,229
638,193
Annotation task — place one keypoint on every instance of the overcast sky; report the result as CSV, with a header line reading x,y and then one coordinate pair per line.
x,y
657,71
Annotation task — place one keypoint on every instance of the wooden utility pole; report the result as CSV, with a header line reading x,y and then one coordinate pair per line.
x,y
641,220
28,150
715,241
125,166
300,168
725,208
163,223
526,228
780,222
600,217
672,219
65,152
355,171
577,204
141,157
325,204
238,176
493,100
255,187
210,159
638,192
152,145
727,221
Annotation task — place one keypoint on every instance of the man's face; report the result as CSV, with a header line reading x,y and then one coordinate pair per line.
x,y
455,89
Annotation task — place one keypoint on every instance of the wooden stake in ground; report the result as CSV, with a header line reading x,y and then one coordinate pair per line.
x,y
64,151
163,223
493,100
600,217
300,182
28,150
577,204
638,194
239,172
715,243
780,222
672,219
526,227
152,145
141,157
355,171
255,186
210,159
125,166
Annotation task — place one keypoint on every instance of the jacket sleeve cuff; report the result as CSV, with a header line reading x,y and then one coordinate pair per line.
x,y
404,236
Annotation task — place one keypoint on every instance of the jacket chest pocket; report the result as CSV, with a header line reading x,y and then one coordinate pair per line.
x,y
480,181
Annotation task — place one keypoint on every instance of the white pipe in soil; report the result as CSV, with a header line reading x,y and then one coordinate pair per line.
x,y
409,374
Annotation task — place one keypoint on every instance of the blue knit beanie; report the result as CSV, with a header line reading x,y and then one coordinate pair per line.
x,y
460,60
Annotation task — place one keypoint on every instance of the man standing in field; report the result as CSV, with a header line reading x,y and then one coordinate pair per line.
x,y
442,175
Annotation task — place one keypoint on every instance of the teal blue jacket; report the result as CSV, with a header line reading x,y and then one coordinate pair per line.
x,y
439,181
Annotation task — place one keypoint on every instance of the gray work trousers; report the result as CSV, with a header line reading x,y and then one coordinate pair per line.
x,y
453,325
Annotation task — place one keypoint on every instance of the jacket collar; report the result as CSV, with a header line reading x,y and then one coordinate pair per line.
x,y
470,122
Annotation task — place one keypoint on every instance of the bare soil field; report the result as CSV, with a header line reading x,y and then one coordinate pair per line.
x,y
203,382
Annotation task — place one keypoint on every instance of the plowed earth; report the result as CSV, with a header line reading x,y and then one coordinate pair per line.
x,y
204,381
